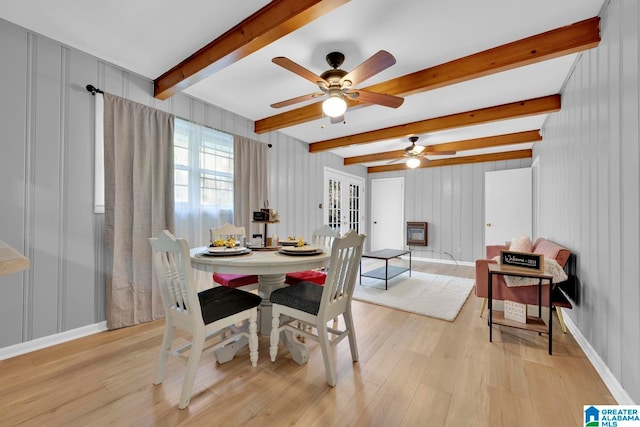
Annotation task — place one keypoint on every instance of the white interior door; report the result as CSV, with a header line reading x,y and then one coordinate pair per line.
x,y
387,213
507,205
344,201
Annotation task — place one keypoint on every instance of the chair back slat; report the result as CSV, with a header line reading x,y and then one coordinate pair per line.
x,y
176,281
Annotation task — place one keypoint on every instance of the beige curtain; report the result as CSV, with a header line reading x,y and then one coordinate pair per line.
x,y
250,181
139,195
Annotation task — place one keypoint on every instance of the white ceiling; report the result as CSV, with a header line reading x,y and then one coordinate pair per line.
x,y
149,37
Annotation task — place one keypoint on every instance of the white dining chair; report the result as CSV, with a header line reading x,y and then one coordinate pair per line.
x,y
315,305
322,236
247,282
213,313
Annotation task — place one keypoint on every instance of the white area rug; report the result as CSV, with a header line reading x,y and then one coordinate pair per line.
x,y
427,294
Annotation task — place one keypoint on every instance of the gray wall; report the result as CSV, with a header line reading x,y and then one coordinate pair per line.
x,y
45,187
590,192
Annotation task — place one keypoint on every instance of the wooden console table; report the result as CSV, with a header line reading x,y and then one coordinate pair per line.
x,y
387,272
533,323
11,261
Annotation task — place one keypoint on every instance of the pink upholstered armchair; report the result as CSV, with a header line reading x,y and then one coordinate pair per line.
x,y
522,294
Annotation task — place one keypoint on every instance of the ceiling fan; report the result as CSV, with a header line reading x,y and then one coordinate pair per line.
x,y
416,154
338,85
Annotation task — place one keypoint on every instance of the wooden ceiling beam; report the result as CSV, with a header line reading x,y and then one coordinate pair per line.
x,y
276,19
488,141
464,145
375,157
561,41
494,157
531,107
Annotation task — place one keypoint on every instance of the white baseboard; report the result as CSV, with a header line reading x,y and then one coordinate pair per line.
x,y
441,261
48,341
612,383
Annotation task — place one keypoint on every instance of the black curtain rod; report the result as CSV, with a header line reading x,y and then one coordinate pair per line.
x,y
93,89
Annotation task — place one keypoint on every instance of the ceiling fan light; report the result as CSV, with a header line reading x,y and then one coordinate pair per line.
x,y
413,162
334,105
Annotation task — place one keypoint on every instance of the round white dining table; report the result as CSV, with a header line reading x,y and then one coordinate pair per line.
x,y
271,268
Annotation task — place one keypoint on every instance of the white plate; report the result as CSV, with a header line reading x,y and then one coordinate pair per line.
x,y
288,242
222,250
298,249
317,251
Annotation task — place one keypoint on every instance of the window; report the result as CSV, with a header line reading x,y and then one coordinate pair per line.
x,y
203,159
203,180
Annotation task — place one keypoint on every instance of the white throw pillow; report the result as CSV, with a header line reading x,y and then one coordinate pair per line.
x,y
521,244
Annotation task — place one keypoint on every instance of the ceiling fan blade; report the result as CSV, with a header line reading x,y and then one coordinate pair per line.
x,y
296,100
379,98
414,150
288,64
375,64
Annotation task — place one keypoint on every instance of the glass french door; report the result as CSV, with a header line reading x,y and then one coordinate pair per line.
x,y
343,201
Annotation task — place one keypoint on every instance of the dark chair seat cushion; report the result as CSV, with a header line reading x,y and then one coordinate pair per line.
x,y
235,280
220,302
305,296
317,277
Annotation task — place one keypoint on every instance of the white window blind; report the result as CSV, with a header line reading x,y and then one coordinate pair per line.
x,y
203,180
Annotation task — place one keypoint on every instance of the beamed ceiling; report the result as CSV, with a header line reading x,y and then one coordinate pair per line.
x,y
477,78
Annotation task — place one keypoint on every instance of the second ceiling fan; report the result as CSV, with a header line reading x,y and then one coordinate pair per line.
x,y
416,155
338,85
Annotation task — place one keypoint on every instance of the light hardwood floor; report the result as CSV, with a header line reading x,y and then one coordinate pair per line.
x,y
413,371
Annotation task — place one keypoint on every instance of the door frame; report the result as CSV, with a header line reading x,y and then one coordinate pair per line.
x,y
346,179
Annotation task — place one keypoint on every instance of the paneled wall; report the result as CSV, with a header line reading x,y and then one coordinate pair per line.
x,y
590,192
451,200
46,185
